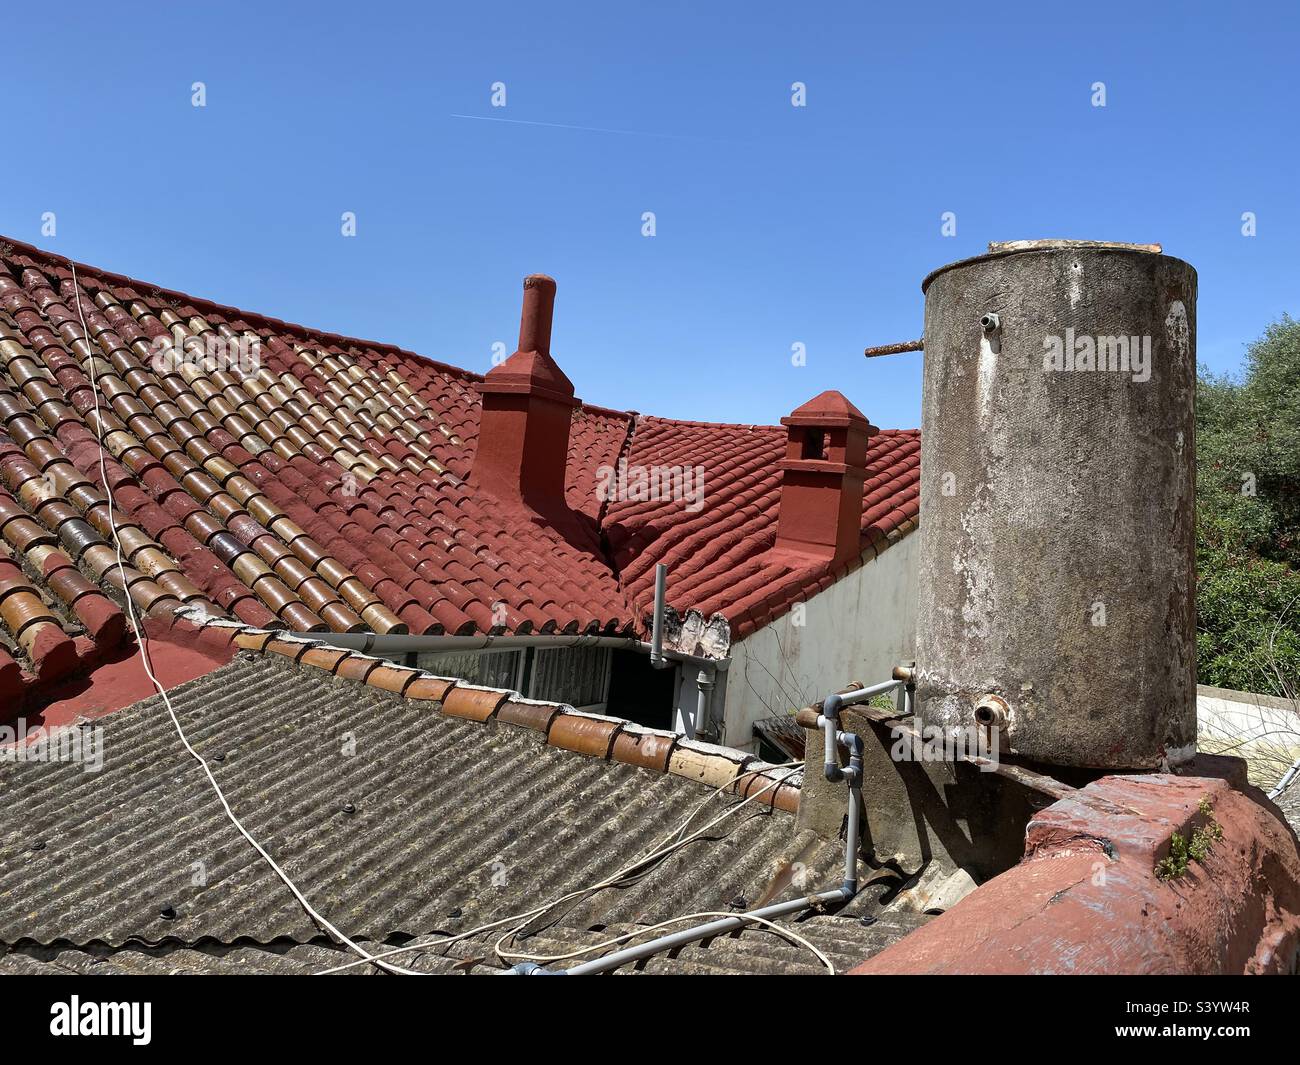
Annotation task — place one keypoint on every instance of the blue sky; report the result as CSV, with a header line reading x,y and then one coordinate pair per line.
x,y
775,225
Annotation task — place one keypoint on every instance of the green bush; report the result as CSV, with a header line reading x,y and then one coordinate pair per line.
x,y
1248,519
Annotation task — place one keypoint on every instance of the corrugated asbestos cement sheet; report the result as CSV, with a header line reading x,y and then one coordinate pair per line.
x,y
391,817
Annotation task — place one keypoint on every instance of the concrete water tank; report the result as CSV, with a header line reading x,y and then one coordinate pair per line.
x,y
1057,522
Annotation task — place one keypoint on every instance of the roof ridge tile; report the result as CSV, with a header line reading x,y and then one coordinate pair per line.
x,y
599,736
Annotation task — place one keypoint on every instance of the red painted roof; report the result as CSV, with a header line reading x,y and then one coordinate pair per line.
x,y
328,489
717,558
829,406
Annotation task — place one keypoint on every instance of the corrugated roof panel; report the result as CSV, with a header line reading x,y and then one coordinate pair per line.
x,y
393,819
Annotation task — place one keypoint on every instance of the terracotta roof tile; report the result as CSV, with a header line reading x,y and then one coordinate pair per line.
x,y
326,487
589,734
474,703
647,748
528,713
715,555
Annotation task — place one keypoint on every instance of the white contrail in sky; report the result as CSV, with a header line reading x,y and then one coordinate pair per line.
x,y
586,129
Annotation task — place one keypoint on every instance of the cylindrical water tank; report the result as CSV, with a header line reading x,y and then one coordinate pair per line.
x,y
1057,523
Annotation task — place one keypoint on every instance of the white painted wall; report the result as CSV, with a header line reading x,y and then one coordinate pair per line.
x,y
1259,728
686,700
858,629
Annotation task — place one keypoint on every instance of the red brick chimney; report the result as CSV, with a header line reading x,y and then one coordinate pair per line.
x,y
821,480
523,439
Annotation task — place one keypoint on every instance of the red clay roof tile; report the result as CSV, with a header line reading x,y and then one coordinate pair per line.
x,y
326,488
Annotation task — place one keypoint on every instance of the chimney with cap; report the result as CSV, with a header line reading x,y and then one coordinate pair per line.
x,y
821,479
523,440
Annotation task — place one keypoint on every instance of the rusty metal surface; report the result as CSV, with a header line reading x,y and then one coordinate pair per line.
x,y
895,349
881,713
784,733
996,246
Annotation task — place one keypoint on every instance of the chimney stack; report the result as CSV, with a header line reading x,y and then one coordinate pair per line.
x,y
539,309
821,479
523,440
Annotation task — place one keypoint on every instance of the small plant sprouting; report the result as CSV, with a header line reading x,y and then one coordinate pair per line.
x,y
1174,864
1196,849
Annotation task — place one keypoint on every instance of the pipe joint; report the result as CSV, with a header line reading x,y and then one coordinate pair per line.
x,y
992,711
531,968
853,774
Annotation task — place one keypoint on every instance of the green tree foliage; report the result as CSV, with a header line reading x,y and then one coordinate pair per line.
x,y
1248,519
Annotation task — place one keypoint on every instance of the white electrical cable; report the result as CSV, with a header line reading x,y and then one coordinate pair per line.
x,y
674,837
365,956
780,930
145,660
628,873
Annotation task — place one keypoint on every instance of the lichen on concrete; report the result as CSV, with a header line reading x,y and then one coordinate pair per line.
x,y
1057,552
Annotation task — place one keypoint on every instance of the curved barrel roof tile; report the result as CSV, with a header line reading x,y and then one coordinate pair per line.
x,y
314,482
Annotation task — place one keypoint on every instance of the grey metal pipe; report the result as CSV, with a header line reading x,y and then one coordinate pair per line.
x,y
704,931
657,622
827,721
854,774
1286,780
